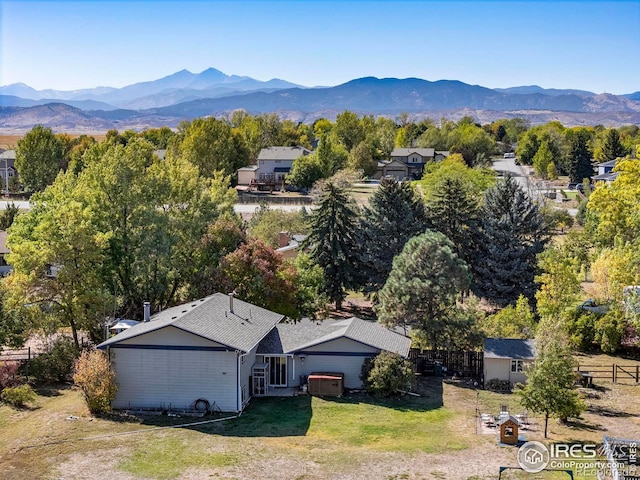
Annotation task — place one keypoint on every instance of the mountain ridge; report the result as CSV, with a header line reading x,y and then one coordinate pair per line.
x,y
184,96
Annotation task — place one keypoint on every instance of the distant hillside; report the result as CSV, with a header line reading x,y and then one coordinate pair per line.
x,y
545,91
161,92
369,95
13,101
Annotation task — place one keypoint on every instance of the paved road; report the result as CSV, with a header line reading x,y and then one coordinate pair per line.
x,y
239,208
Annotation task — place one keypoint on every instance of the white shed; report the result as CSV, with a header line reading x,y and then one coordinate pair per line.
x,y
505,359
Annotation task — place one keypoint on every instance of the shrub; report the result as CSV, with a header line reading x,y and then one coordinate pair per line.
x,y
609,331
386,374
9,376
498,385
18,396
56,365
96,379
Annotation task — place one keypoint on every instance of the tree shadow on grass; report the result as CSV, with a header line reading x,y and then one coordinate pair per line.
x,y
608,412
291,416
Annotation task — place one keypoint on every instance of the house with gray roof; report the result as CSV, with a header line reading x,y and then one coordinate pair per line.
x,y
224,350
273,165
7,167
416,158
506,359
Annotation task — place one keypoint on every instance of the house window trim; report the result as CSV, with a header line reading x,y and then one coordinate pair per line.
x,y
517,365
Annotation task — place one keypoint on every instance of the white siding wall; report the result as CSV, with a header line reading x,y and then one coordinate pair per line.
x,y
245,372
500,368
171,377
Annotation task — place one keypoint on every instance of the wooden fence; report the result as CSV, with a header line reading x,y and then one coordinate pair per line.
x,y
614,373
450,362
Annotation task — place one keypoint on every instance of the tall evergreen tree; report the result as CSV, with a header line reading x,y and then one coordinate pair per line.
x,y
613,147
453,211
394,215
333,240
513,232
580,155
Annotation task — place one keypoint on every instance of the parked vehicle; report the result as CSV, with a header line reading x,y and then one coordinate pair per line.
x,y
592,306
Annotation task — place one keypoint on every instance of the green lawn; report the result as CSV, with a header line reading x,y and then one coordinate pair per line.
x,y
431,436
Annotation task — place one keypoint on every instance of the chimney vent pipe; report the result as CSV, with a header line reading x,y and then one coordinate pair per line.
x,y
231,301
147,311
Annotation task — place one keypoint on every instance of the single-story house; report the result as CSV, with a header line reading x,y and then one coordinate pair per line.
x,y
272,166
223,350
505,359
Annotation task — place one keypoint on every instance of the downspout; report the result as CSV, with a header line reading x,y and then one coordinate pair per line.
x,y
240,406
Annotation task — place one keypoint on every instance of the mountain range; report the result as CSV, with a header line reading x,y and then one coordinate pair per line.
x,y
185,95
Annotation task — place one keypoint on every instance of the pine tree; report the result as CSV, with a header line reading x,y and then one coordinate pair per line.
x,y
333,240
613,148
513,232
453,211
422,288
394,215
580,155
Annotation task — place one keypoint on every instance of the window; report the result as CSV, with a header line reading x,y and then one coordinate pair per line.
x,y
517,365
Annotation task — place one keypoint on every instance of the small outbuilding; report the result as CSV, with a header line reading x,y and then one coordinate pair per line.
x,y
508,430
505,359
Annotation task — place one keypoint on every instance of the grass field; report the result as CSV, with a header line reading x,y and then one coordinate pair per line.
x,y
352,437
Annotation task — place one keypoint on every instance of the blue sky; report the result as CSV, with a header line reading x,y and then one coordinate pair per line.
x,y
67,45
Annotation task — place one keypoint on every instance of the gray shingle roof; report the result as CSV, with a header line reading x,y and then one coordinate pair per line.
x,y
509,348
282,153
211,318
405,152
290,338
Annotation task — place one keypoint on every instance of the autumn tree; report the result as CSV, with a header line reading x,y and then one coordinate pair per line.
x,y
426,280
513,321
38,158
211,145
256,273
267,223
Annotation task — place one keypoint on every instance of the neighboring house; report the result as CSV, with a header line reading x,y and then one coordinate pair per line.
x,y
7,168
224,350
505,359
273,165
392,168
605,173
416,158
289,245
5,268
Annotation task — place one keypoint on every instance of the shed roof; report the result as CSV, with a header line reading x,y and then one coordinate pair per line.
x,y
517,348
291,338
212,319
282,153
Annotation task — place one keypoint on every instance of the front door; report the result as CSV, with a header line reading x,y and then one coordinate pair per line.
x,y
277,371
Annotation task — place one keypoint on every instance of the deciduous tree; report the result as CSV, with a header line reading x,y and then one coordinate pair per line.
x,y
38,158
